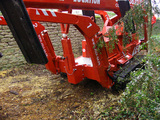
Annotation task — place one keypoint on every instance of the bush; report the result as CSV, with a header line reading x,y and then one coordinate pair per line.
x,y
141,99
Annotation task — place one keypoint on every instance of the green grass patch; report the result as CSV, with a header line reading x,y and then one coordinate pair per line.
x,y
111,14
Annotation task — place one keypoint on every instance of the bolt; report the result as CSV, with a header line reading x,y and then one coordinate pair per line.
x,y
64,35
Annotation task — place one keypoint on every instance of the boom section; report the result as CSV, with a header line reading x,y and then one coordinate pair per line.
x,y
110,5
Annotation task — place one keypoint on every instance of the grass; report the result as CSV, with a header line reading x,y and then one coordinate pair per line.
x,y
111,14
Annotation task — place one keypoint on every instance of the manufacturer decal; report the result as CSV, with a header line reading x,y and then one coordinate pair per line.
x,y
40,39
88,1
117,5
136,50
96,52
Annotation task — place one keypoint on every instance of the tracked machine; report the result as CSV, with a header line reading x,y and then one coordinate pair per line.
x,y
23,17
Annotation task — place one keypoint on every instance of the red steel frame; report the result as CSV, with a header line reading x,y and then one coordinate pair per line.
x,y
91,64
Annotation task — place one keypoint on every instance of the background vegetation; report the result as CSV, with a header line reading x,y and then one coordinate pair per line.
x,y
141,98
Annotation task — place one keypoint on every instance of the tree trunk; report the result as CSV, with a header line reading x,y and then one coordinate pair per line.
x,y
149,26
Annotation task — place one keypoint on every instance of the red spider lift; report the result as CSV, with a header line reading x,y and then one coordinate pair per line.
x,y
23,17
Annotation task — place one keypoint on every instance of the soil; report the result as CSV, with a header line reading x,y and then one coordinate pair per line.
x,y
30,92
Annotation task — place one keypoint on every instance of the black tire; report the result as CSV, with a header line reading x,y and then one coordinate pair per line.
x,y
63,75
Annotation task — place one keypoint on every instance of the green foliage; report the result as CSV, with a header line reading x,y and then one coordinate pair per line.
x,y
100,44
113,38
132,22
156,28
142,95
141,99
92,93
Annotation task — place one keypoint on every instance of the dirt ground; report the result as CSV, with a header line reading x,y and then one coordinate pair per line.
x,y
30,92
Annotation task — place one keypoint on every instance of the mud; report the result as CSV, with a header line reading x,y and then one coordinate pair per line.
x,y
30,92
